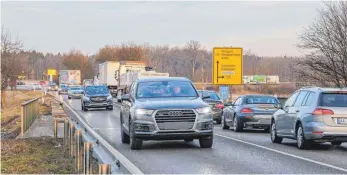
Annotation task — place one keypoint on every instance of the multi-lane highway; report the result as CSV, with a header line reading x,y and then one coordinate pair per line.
x,y
247,152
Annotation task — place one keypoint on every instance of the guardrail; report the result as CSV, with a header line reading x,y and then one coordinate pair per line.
x,y
29,112
84,142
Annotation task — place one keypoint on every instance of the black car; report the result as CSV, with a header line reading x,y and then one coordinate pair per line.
x,y
215,102
97,96
165,108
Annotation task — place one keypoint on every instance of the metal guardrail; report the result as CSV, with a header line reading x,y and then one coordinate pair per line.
x,y
84,142
29,112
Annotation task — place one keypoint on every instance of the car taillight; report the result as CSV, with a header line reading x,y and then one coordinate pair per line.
x,y
246,110
320,111
220,105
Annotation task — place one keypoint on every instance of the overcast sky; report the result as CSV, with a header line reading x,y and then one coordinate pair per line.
x,y
265,28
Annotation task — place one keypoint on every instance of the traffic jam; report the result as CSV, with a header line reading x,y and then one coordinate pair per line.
x,y
154,106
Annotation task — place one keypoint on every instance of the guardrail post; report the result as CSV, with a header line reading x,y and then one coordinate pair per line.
x,y
55,131
78,143
22,117
66,132
72,133
87,151
104,169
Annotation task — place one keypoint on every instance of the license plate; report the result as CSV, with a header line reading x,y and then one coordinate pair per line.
x,y
341,121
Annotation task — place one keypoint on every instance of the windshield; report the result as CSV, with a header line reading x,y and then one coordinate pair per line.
x,y
93,90
333,100
261,100
157,89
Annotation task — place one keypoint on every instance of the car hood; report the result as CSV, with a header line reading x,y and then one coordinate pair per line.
x,y
170,103
76,91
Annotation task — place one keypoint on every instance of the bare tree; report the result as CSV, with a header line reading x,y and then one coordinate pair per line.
x,y
326,39
9,48
193,48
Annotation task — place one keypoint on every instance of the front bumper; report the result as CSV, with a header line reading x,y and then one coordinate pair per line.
x,y
90,104
320,132
75,95
146,128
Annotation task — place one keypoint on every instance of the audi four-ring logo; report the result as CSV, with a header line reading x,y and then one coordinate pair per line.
x,y
175,113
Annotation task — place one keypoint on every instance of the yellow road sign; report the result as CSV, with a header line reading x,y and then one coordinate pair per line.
x,y
227,66
51,72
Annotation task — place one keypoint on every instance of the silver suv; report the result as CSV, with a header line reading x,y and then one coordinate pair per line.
x,y
312,115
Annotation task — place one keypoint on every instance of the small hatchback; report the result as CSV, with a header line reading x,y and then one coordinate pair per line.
x,y
312,115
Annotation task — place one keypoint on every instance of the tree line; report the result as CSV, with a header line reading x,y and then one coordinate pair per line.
x,y
325,63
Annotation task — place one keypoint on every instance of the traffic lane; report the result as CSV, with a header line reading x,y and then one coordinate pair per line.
x,y
226,156
325,153
96,118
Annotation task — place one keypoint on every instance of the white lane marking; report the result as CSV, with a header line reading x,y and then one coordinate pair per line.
x,y
126,162
284,153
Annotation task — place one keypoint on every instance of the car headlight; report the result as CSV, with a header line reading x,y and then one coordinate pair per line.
x,y
86,98
144,112
204,110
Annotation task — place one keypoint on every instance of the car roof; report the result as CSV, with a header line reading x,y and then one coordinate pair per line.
x,y
147,79
258,95
322,89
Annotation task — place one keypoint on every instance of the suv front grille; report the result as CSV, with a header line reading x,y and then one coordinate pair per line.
x,y
175,119
98,99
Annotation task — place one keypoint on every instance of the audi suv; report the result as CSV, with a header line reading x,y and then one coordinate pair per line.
x,y
165,108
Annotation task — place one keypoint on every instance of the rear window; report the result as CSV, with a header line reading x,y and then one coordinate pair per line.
x,y
333,100
261,100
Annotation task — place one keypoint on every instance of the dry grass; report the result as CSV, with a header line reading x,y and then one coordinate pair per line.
x,y
14,99
35,156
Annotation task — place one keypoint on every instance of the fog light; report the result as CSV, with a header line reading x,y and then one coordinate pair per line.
x,y
143,127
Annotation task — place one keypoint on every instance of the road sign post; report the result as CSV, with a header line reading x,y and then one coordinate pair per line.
x,y
227,66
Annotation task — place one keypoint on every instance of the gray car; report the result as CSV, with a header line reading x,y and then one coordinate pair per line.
x,y
165,108
75,92
312,115
215,102
253,111
97,96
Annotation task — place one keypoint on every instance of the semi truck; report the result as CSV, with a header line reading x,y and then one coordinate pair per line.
x,y
70,77
261,79
118,76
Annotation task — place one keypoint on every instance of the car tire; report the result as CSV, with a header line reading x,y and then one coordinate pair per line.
x,y
135,144
110,108
302,142
206,142
82,107
69,97
124,137
336,143
238,126
267,130
273,134
224,126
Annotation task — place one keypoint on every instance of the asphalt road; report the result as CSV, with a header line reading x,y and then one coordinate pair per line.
x,y
247,152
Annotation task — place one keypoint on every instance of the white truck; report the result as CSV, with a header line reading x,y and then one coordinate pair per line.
x,y
118,76
70,77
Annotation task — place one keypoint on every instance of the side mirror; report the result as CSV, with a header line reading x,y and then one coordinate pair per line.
x,y
205,96
126,97
278,106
